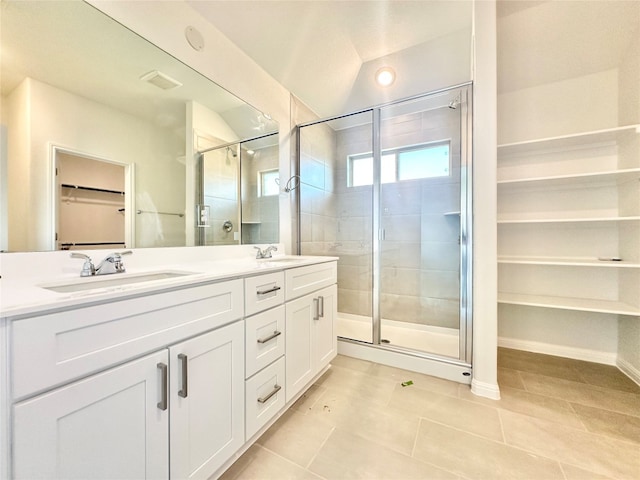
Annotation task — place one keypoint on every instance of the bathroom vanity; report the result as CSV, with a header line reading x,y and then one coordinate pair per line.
x,y
172,377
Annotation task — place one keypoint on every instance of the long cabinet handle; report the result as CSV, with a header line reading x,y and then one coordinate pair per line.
x,y
162,404
275,288
316,309
265,399
185,375
270,337
321,306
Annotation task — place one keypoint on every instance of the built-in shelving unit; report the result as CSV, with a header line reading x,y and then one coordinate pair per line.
x,y
569,222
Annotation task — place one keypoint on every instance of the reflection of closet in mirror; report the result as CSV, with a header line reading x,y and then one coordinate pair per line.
x,y
91,202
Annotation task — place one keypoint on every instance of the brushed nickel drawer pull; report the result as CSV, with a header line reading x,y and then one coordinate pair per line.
x,y
185,379
162,404
275,288
270,337
276,389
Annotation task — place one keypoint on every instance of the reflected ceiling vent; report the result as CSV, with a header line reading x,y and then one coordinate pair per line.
x,y
160,80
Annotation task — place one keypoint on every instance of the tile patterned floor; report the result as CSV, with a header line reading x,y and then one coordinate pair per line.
x,y
557,419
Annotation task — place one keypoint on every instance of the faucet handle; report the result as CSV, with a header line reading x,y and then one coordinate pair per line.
x,y
259,253
88,269
117,260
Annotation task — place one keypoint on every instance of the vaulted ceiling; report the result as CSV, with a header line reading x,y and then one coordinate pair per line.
x,y
326,52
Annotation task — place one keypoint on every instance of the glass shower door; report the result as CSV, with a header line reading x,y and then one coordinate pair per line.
x,y
420,235
336,211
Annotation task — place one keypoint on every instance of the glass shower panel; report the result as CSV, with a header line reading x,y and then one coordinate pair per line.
x,y
420,200
260,190
336,211
218,215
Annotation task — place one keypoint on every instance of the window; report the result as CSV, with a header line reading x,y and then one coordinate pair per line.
x,y
268,183
409,163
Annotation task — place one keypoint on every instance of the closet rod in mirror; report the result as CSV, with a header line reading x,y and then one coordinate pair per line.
x,y
92,189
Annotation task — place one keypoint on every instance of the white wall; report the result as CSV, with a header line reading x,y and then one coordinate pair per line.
x,y
629,84
576,105
485,315
629,114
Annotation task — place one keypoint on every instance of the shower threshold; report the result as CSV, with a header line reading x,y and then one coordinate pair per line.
x,y
422,338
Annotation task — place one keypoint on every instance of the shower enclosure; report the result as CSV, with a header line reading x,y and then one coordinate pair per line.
x,y
237,193
388,192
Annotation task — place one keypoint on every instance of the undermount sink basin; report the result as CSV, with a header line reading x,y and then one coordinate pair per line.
x,y
115,280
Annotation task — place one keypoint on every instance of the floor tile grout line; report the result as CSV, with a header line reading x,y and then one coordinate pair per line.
x,y
307,467
599,389
289,461
415,438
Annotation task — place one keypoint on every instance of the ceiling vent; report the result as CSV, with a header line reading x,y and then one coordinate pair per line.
x,y
160,80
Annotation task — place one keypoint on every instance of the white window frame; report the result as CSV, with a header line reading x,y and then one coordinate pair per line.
x,y
395,152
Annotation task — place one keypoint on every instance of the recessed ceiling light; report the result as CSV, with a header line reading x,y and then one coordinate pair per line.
x,y
385,76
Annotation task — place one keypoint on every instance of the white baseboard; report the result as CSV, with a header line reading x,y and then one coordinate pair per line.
x,y
629,370
483,389
607,358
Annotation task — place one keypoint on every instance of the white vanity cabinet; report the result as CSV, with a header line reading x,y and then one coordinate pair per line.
x,y
170,383
177,412
111,425
264,350
206,414
311,340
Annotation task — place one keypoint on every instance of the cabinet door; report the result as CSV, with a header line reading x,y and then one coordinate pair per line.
x,y
326,340
207,401
298,344
110,425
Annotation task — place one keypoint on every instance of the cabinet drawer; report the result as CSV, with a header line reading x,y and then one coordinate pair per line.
x,y
263,292
264,337
264,393
302,280
52,349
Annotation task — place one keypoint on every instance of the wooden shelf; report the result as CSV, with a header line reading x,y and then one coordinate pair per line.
x,y
566,261
580,140
568,303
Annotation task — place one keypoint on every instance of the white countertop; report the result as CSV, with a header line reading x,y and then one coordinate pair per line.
x,y
23,291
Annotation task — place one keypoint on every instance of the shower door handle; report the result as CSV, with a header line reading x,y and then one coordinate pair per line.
x,y
382,234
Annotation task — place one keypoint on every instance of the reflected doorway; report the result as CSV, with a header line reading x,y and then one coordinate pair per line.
x,y
91,202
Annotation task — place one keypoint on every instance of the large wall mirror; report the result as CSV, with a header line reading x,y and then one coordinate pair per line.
x,y
108,141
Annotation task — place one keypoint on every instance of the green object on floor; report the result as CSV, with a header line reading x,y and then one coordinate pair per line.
x,y
407,383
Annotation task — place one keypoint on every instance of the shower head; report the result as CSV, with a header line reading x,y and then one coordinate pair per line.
x,y
232,152
453,104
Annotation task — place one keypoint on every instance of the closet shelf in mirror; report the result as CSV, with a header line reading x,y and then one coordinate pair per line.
x,y
568,261
570,303
92,189
590,179
520,220
578,140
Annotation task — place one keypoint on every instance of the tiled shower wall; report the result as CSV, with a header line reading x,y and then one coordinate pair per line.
x,y
221,195
420,253
259,214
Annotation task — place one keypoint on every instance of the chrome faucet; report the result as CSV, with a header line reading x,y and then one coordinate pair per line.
x,y
266,253
112,263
